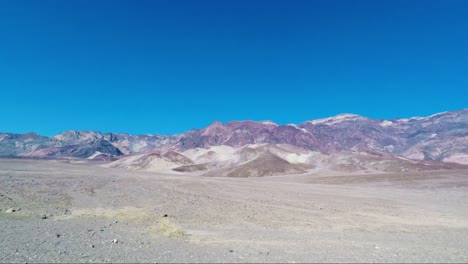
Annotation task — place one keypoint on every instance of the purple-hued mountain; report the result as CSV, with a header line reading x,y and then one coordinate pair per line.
x,y
442,137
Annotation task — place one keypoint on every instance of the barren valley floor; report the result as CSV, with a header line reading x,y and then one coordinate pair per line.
x,y
95,214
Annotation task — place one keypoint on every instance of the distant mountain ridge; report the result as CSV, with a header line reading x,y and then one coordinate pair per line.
x,y
441,137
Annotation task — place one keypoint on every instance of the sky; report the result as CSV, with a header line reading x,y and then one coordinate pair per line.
x,y
167,66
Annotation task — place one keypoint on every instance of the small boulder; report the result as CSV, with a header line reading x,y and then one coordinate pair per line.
x,y
115,241
10,210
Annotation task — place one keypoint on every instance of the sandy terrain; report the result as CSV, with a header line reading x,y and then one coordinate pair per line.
x,y
96,214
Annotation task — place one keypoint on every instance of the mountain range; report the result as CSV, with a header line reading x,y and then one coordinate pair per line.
x,y
249,148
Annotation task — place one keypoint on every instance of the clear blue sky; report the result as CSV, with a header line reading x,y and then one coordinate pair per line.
x,y
168,66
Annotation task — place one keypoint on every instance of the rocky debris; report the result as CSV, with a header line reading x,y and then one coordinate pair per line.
x,y
11,210
279,215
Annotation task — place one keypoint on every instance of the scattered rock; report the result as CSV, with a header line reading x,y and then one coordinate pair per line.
x,y
91,246
115,241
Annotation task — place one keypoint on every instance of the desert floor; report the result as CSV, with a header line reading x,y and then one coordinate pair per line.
x,y
95,214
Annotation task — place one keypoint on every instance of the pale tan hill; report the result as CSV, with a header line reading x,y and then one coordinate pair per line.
x,y
258,160
264,164
152,162
363,162
248,161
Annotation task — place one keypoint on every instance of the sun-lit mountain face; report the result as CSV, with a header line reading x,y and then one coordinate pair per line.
x,y
344,142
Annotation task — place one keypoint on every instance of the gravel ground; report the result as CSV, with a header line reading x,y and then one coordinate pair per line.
x,y
83,213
